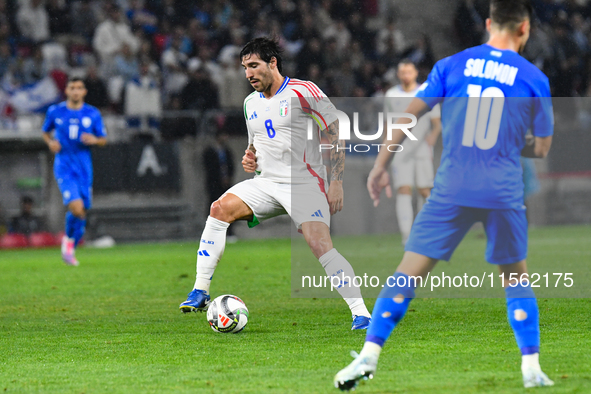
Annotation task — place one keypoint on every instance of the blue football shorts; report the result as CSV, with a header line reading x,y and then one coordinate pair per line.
x,y
440,227
74,188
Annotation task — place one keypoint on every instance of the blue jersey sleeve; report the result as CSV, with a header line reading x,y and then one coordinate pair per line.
x,y
543,119
99,127
433,90
49,123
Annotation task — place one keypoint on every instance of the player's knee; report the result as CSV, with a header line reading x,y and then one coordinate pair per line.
x,y
425,193
218,211
319,245
78,210
404,190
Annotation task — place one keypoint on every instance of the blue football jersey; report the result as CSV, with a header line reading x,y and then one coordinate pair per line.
x,y
69,124
490,99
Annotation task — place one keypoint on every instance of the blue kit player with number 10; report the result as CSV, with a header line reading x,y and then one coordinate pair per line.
x,y
77,127
490,97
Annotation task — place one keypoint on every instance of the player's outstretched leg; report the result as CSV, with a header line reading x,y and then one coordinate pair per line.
x,y
75,228
317,235
522,311
223,212
389,309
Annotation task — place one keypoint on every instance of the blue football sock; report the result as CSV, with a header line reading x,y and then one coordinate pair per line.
x,y
70,224
80,229
390,307
522,310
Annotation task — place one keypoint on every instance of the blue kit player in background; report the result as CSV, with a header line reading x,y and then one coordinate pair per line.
x,y
78,126
490,97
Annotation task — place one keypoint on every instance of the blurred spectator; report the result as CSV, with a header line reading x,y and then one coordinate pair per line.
x,y
356,56
421,54
332,57
97,90
7,61
565,61
538,49
33,21
140,17
322,15
126,64
143,104
142,93
390,37
59,17
200,93
110,36
234,87
345,78
177,126
340,33
173,68
311,53
580,31
219,167
469,24
366,79
34,68
361,33
212,68
84,20
26,223
547,10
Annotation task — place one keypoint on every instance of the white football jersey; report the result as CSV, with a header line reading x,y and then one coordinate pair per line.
x,y
278,129
397,100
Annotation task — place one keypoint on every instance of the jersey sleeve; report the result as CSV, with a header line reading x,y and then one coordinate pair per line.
x,y
250,132
322,105
49,123
99,126
543,113
432,91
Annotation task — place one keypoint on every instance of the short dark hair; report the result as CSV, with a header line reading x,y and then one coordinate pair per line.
x,y
406,62
265,48
75,79
510,13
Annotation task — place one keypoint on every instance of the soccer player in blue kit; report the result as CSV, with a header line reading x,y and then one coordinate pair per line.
x,y
78,126
490,97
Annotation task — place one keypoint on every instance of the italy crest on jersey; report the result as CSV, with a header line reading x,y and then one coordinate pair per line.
x,y
283,106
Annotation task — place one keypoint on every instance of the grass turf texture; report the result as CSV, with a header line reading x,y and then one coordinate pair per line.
x,y
113,325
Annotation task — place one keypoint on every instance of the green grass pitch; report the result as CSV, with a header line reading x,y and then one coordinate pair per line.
x,y
112,325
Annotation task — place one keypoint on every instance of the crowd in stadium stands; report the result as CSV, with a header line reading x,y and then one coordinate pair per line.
x,y
186,51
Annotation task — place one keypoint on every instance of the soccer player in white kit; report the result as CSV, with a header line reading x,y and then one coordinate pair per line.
x,y
290,177
413,166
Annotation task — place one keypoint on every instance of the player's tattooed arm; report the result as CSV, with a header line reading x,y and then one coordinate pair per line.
x,y
337,153
252,149
337,163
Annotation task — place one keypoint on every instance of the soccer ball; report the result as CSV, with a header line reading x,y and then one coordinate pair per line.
x,y
227,313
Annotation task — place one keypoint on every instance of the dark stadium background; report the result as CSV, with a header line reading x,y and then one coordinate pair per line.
x,y
170,79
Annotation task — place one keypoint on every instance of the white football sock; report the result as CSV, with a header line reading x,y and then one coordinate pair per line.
x,y
370,348
404,214
530,361
211,249
336,265
420,202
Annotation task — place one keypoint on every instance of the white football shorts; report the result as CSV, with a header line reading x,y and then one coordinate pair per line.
x,y
413,171
267,199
